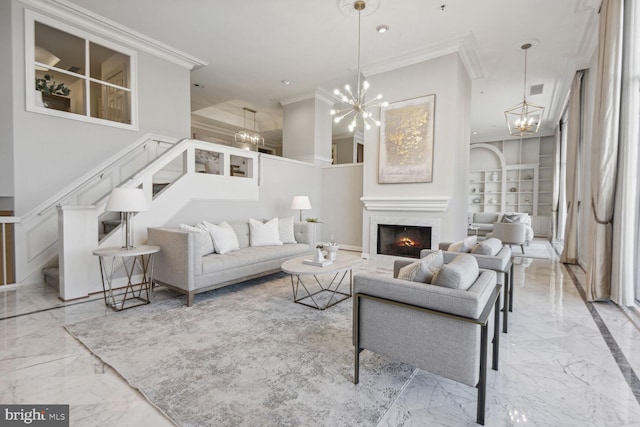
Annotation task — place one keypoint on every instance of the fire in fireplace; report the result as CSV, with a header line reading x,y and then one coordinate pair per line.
x,y
403,240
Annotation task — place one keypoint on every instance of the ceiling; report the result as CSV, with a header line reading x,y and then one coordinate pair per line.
x,y
251,46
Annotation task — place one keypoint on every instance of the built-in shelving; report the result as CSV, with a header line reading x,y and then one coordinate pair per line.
x,y
513,176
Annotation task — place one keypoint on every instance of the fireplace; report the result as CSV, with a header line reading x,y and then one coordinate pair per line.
x,y
403,240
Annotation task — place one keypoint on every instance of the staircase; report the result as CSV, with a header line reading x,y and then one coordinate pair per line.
x,y
170,179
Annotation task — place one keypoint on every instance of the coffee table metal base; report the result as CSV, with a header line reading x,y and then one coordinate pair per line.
x,y
332,289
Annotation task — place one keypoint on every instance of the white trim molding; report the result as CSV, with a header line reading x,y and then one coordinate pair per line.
x,y
409,204
89,20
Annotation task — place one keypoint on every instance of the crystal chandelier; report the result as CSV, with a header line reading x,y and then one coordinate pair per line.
x,y
245,136
355,103
524,118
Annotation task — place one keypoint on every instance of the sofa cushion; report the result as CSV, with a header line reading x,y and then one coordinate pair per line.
x,y
489,246
424,269
224,238
251,256
464,246
207,242
458,274
285,230
514,217
264,233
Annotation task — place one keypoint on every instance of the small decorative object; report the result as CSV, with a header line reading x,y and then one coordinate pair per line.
x,y
332,249
473,190
54,95
318,256
512,189
476,200
314,220
492,200
528,177
493,176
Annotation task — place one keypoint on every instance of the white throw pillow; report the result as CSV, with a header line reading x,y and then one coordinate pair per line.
x,y
223,236
207,242
264,234
285,230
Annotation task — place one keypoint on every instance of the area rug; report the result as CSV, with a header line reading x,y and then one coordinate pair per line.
x,y
246,355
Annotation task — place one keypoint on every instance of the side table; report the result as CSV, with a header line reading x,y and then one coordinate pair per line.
x,y
141,257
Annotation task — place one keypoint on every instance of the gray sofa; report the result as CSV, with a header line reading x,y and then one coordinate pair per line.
x,y
484,221
441,330
181,266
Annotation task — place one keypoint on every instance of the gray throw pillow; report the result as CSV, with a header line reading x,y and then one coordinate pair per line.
x,y
489,246
459,274
514,218
423,270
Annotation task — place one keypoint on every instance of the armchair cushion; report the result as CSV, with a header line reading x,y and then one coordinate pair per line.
x,y
424,269
458,274
490,246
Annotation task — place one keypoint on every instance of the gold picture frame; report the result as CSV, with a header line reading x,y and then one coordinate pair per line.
x,y
406,141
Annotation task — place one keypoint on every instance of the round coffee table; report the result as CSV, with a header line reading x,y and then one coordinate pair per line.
x,y
325,297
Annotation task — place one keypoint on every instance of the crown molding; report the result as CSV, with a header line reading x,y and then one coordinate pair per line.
x,y
72,13
465,45
319,94
411,204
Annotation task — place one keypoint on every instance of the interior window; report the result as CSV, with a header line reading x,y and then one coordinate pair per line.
x,y
80,75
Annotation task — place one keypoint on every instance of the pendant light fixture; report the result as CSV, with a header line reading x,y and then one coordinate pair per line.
x,y
245,136
524,118
355,104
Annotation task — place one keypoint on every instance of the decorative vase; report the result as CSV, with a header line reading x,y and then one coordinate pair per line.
x,y
493,176
318,257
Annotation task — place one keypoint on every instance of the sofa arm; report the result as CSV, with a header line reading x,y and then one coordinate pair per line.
x,y
180,256
306,232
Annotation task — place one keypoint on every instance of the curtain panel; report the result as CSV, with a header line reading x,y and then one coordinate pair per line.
x,y
626,219
604,164
573,190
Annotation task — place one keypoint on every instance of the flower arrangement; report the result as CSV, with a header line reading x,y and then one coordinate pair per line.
x,y
48,86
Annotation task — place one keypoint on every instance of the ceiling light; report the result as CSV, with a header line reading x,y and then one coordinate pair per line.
x,y
382,28
355,105
285,82
248,137
524,118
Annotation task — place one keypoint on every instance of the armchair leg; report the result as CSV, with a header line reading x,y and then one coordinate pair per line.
x,y
482,384
511,288
505,306
356,338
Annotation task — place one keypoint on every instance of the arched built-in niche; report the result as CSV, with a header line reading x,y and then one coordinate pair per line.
x,y
487,180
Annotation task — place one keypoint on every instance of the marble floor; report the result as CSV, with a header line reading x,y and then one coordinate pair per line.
x,y
564,362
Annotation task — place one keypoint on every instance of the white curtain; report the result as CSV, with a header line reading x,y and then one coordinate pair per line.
x,y
626,218
572,181
604,164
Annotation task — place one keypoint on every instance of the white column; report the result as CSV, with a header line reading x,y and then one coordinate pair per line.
x,y
307,128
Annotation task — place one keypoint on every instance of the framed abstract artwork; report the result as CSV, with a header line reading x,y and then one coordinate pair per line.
x,y
406,141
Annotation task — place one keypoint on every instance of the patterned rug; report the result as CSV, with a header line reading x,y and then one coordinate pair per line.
x,y
246,355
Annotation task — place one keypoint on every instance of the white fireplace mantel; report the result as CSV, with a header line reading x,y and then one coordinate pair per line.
x,y
413,204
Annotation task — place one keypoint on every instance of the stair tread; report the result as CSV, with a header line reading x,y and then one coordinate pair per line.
x,y
51,271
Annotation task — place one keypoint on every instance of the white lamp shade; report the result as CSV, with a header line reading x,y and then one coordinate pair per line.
x,y
300,202
127,200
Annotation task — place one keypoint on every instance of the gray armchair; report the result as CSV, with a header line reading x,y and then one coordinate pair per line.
x,y
501,263
441,330
510,233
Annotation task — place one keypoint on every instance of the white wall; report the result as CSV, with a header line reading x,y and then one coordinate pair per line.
x,y
50,152
341,205
281,179
447,78
345,150
6,106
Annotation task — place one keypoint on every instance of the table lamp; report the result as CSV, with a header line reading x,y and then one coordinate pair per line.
x,y
301,203
127,201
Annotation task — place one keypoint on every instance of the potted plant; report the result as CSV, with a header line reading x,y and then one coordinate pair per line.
x,y
54,95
